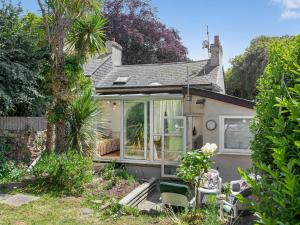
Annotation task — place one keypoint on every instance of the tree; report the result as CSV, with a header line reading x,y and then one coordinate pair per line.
x,y
59,16
276,128
134,25
87,36
241,78
84,112
21,60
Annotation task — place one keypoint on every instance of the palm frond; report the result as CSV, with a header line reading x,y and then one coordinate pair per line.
x,y
87,36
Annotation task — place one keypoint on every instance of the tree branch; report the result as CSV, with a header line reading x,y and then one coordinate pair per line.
x,y
46,22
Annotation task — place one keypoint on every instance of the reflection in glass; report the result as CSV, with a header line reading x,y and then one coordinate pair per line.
x,y
134,129
236,133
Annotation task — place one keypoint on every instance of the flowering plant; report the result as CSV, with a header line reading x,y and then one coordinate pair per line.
x,y
195,163
209,149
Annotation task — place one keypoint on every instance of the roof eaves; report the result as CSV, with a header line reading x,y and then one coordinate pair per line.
x,y
221,97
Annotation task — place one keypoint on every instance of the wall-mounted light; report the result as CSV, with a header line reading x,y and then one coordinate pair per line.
x,y
200,101
114,106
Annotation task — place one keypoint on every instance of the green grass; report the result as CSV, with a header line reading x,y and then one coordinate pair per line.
x,y
67,210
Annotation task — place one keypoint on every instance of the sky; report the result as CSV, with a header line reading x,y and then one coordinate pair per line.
x,y
237,22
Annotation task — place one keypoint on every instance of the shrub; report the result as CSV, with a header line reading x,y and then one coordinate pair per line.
x,y
204,216
276,147
10,171
67,173
113,171
194,164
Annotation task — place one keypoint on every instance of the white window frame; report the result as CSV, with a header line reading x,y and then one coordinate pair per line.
x,y
139,97
222,149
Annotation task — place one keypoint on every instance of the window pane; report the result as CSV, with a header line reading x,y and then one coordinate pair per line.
x,y
237,134
165,108
134,128
173,148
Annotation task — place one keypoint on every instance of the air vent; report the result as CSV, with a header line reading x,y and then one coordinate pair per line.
x,y
121,80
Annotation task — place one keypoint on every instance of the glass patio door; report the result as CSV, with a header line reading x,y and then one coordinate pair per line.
x,y
135,129
173,144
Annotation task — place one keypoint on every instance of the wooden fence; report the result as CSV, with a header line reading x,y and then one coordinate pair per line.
x,y
23,123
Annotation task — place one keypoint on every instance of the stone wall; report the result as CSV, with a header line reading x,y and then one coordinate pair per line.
x,y
23,146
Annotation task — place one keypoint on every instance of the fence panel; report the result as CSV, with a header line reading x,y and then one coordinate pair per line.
x,y
23,123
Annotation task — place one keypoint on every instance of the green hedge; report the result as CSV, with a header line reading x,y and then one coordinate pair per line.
x,y
276,128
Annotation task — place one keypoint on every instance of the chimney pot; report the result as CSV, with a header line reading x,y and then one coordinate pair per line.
x,y
217,40
216,52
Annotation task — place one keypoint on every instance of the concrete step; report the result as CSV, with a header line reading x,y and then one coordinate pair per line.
x,y
140,193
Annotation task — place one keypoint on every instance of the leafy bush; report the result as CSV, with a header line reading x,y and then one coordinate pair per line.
x,y
194,164
204,216
113,171
67,173
10,171
276,147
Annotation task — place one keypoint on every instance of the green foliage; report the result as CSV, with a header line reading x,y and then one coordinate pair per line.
x,y
66,173
21,57
10,171
87,36
84,114
113,171
192,165
205,216
226,189
135,125
241,78
276,152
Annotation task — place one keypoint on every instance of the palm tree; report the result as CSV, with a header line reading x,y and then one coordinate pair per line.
x,y
85,122
59,16
87,36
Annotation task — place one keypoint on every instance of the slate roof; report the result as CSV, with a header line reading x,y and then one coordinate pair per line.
x,y
93,64
200,72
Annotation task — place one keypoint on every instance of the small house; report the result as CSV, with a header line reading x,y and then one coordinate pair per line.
x,y
155,113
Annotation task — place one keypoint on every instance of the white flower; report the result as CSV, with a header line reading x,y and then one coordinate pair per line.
x,y
209,149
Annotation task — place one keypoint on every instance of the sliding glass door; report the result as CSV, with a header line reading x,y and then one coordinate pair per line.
x,y
136,129
149,126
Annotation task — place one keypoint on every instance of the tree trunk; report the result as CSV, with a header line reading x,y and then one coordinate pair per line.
x,y
60,133
61,89
49,134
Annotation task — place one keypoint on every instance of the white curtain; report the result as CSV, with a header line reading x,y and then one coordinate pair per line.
x,y
163,108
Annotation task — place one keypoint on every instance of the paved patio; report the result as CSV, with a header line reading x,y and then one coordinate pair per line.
x,y
17,199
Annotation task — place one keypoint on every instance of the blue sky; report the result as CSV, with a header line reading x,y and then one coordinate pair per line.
x,y
236,21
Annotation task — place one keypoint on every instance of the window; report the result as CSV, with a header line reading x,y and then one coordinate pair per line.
x,y
121,80
163,108
235,135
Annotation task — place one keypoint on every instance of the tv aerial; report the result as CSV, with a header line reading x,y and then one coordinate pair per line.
x,y
205,43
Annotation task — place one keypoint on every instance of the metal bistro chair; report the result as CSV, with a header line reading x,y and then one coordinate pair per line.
x,y
236,208
210,184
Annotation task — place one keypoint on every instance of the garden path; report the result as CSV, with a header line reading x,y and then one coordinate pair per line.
x,y
17,199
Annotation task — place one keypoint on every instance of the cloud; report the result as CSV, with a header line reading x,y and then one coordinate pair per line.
x,y
290,8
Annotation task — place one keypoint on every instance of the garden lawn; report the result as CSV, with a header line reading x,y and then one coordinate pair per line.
x,y
67,210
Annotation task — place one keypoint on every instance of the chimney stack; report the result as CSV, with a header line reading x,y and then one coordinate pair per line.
x,y
115,50
216,52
